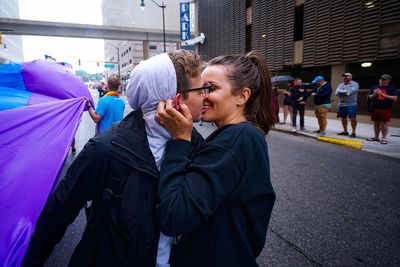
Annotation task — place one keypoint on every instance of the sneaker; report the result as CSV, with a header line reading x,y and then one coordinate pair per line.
x,y
317,131
353,135
343,133
294,129
302,129
321,134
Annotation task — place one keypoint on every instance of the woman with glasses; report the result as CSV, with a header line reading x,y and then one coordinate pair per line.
x,y
218,199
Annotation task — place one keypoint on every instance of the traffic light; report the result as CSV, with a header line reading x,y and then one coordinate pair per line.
x,y
79,61
98,64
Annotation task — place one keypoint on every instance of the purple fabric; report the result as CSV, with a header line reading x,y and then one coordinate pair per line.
x,y
39,99
52,79
34,141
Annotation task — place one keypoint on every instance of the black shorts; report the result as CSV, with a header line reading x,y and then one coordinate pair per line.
x,y
287,102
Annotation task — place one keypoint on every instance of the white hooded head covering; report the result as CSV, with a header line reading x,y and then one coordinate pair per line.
x,y
152,81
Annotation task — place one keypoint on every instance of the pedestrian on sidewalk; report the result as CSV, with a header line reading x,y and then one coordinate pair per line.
x,y
347,92
322,102
287,105
101,88
382,97
298,95
275,104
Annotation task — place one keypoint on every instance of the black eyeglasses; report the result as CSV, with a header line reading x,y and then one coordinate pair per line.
x,y
205,89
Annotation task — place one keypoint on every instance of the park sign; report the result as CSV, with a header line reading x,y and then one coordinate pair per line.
x,y
109,65
185,21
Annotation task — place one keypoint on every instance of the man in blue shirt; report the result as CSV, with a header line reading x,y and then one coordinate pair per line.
x,y
322,102
110,108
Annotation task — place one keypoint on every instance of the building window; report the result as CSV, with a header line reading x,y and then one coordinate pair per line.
x,y
130,61
129,48
249,14
390,36
153,47
248,38
298,23
248,3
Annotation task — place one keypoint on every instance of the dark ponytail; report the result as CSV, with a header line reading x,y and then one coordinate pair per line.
x,y
251,71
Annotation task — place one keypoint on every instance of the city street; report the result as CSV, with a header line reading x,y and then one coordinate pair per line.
x,y
335,206
334,152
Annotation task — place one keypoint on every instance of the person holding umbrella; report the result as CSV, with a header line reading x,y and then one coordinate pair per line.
x,y
287,102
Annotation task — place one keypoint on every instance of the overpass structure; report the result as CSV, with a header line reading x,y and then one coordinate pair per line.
x,y
46,28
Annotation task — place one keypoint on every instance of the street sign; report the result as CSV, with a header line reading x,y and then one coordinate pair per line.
x,y
108,65
185,21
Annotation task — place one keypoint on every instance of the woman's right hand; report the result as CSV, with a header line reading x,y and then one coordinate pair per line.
x,y
179,123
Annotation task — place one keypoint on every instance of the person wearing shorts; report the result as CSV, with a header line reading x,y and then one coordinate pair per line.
x,y
347,92
322,101
382,96
287,106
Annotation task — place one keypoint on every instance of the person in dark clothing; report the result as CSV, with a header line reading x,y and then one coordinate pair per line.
x,y
382,96
118,170
287,104
298,95
322,102
275,104
101,88
218,199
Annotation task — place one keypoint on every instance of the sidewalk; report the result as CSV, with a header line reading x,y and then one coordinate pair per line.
x,y
364,130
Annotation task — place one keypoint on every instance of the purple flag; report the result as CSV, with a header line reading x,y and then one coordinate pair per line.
x,y
34,141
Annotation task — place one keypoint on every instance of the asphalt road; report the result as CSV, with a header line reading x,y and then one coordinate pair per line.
x,y
335,206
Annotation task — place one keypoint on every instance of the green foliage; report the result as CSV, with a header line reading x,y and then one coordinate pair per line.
x,y
87,77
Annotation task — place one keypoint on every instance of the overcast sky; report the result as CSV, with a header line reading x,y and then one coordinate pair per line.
x,y
64,49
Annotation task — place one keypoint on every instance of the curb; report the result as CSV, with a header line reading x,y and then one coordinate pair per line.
x,y
305,134
337,141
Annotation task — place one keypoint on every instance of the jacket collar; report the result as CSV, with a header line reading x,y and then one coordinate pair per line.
x,y
130,144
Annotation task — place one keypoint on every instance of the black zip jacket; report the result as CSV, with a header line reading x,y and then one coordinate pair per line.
x,y
219,198
117,171
323,94
295,94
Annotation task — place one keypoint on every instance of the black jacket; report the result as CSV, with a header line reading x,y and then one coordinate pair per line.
x,y
118,172
295,94
323,94
219,198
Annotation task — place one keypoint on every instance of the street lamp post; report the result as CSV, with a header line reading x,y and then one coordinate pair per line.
x,y
162,6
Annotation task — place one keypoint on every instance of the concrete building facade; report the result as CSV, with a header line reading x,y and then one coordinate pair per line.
x,y
305,38
11,47
128,13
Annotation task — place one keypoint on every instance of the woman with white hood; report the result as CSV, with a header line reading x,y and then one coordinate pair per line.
x,y
118,170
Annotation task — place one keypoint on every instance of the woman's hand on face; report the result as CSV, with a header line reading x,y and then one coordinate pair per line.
x,y
178,123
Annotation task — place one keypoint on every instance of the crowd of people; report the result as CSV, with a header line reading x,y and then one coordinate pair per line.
x,y
380,99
